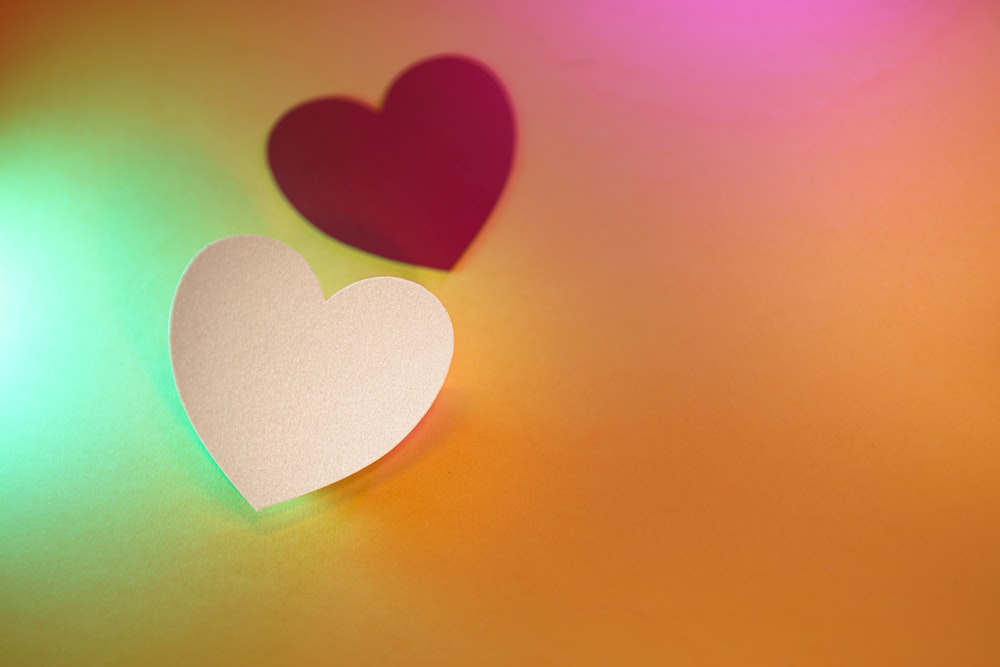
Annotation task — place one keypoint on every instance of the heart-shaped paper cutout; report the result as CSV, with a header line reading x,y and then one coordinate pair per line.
x,y
413,181
289,391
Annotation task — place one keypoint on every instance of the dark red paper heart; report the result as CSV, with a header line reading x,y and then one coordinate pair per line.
x,y
413,181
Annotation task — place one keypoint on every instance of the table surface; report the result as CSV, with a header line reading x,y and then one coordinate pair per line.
x,y
727,368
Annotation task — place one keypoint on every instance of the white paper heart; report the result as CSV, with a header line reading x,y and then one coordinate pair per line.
x,y
289,391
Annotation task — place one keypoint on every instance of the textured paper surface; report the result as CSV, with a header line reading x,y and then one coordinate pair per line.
x,y
291,392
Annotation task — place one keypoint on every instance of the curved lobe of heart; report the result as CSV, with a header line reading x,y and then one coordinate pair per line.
x,y
413,181
288,391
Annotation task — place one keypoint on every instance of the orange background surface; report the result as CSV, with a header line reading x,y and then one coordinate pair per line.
x,y
727,368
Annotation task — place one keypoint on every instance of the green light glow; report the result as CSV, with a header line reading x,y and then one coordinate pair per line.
x,y
93,237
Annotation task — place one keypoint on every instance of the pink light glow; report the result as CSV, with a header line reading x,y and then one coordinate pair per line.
x,y
730,59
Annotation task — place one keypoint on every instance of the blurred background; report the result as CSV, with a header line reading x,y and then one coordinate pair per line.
x,y
727,358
